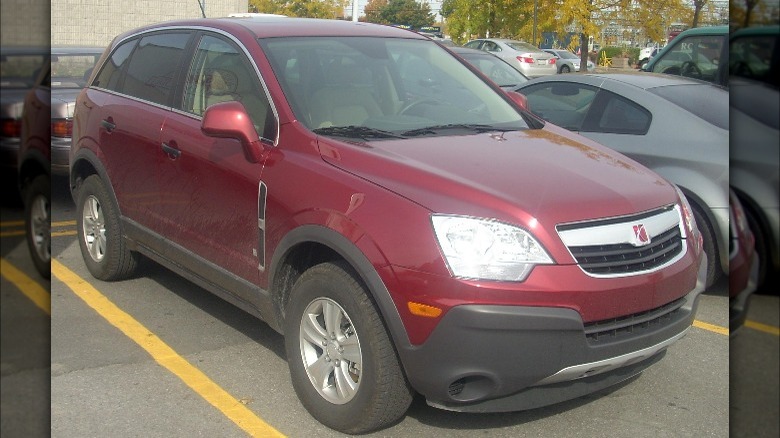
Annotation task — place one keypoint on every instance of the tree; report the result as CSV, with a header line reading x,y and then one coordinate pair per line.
x,y
300,8
697,7
406,12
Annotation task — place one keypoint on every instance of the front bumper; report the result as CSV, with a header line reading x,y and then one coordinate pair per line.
x,y
60,155
487,358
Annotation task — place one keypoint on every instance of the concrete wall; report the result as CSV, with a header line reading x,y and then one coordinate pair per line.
x,y
24,22
97,22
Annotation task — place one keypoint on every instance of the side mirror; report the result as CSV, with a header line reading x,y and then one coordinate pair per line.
x,y
230,120
519,99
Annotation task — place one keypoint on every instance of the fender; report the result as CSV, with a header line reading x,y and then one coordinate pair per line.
x,y
355,256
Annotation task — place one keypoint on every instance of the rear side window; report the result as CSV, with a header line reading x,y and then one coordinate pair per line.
x,y
109,77
146,69
619,116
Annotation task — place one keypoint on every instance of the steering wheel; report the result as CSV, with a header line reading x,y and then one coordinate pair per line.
x,y
690,69
415,103
740,68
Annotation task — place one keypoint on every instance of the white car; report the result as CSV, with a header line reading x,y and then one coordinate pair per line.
x,y
530,60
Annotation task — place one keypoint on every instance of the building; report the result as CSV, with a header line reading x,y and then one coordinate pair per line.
x,y
97,22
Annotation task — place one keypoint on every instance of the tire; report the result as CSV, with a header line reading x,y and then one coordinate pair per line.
x,y
37,219
710,247
761,249
375,391
565,69
100,234
642,63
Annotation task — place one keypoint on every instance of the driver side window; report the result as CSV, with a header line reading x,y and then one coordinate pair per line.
x,y
220,73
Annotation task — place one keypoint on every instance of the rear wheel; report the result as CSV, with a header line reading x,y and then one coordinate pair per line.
x,y
103,248
343,365
37,215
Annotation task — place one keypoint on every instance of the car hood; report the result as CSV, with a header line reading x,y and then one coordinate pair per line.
x,y
546,176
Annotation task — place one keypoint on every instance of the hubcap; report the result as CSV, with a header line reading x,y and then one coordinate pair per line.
x,y
94,228
40,226
330,350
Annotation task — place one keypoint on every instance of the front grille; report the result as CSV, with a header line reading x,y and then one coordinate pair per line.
x,y
615,329
626,245
626,258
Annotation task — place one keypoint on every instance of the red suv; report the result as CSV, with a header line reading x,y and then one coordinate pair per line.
x,y
400,219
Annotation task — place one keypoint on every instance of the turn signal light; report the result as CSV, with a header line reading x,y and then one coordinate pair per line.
x,y
423,310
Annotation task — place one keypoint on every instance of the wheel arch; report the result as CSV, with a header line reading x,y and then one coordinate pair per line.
x,y
309,245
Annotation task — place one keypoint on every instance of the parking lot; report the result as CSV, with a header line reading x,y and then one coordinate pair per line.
x,y
158,356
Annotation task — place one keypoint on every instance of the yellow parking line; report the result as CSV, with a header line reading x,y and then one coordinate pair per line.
x,y
63,233
29,287
772,330
12,224
165,355
711,327
63,224
12,233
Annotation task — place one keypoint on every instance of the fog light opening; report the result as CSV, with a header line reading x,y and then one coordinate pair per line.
x,y
471,388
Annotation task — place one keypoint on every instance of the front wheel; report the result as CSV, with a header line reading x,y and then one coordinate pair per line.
x,y
565,69
343,365
37,215
103,248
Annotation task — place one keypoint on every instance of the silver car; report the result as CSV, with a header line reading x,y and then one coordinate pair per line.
x,y
677,126
567,61
496,69
70,69
530,60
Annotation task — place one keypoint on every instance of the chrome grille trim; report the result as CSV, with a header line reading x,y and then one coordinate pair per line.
x,y
612,247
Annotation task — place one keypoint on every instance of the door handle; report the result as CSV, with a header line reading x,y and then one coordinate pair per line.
x,y
171,151
108,125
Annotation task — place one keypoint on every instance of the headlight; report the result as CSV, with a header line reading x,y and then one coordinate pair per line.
x,y
487,250
687,213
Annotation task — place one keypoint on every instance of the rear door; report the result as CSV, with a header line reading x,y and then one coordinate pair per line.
x,y
131,98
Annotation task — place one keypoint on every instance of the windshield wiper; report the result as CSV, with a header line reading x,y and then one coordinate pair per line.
x,y
478,128
354,131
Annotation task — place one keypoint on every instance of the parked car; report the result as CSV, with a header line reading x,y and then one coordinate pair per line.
x,y
755,135
530,60
34,170
646,54
695,53
677,126
499,71
391,212
567,61
19,69
70,69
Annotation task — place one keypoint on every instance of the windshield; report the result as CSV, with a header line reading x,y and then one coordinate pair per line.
x,y
567,55
522,47
384,86
72,70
